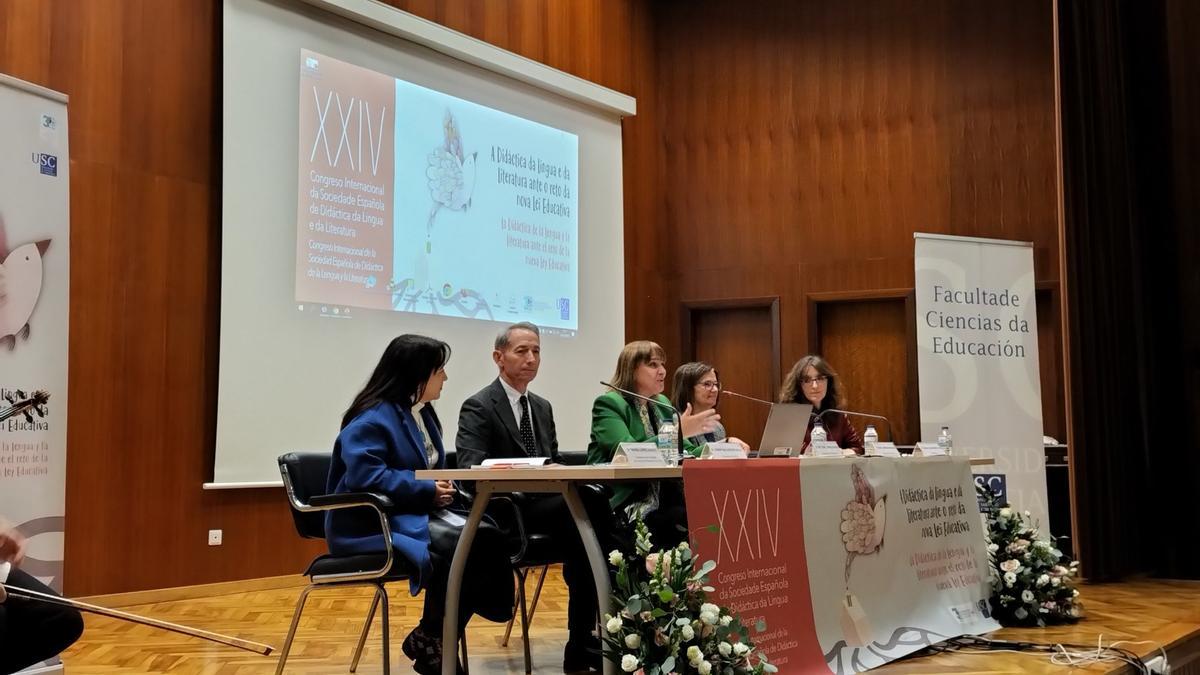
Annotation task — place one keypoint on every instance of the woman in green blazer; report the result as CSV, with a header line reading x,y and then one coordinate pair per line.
x,y
616,419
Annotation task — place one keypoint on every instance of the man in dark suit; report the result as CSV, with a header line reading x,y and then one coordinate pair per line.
x,y
505,420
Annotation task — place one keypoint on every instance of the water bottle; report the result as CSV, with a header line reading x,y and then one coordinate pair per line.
x,y
945,441
818,432
667,442
870,438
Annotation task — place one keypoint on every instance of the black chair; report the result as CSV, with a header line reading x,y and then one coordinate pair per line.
x,y
304,477
534,552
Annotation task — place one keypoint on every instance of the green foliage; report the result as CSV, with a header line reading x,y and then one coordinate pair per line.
x,y
1033,583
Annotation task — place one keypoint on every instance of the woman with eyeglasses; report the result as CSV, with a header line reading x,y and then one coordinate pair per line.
x,y
813,380
698,385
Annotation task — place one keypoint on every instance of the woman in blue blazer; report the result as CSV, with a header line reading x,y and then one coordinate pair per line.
x,y
389,432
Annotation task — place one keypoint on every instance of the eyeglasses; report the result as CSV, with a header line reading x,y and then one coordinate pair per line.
x,y
711,386
820,379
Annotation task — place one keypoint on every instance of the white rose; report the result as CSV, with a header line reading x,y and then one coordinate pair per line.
x,y
992,548
615,558
1006,512
1054,581
687,633
1027,596
1043,580
726,620
614,624
1009,579
705,668
740,648
694,655
629,663
725,648
709,618
633,640
683,546
1010,566
711,608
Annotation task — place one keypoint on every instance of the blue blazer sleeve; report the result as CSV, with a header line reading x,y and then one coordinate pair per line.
x,y
365,451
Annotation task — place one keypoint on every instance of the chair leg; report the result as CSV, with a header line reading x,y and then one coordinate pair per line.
x,y
387,633
525,628
362,638
462,643
287,644
537,592
520,574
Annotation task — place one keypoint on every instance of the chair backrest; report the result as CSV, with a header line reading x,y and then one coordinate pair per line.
x,y
305,475
572,457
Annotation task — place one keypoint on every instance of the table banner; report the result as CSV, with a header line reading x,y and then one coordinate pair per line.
x,y
851,563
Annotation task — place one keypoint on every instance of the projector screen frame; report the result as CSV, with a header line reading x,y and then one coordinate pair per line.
x,y
467,49
473,54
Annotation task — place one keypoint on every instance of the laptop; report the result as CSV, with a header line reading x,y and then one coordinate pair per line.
x,y
784,434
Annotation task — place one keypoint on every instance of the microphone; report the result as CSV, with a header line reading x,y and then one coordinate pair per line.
x,y
861,414
660,404
748,398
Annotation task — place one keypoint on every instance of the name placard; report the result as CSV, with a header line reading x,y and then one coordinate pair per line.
x,y
929,450
639,454
884,450
826,449
722,451
781,451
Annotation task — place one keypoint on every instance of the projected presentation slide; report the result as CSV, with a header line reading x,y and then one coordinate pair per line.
x,y
411,200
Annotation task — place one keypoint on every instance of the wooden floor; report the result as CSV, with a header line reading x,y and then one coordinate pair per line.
x,y
1165,612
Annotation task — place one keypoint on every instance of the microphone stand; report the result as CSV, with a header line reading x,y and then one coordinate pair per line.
x,y
677,416
891,438
748,398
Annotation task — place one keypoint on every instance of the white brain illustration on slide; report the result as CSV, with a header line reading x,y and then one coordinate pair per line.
x,y
20,287
451,174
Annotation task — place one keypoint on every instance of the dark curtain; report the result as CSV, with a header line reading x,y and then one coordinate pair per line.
x,y
1134,458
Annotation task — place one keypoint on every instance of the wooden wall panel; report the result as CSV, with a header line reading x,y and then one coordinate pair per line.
x,y
738,341
867,342
144,82
804,141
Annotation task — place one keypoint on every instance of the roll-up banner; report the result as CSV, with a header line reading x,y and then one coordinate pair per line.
x,y
34,302
977,360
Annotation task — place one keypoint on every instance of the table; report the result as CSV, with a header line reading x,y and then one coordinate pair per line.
x,y
544,479
552,479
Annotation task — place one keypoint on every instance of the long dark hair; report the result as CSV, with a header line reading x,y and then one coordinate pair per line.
x,y
406,365
793,389
686,378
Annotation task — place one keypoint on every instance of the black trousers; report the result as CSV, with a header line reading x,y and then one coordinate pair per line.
x,y
487,588
31,632
549,515
668,523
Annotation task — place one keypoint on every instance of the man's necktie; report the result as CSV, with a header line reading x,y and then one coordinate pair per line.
x,y
527,429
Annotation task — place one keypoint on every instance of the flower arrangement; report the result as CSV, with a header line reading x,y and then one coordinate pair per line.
x,y
1032,582
662,622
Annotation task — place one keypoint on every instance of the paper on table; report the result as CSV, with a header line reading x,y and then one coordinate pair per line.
x,y
514,461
